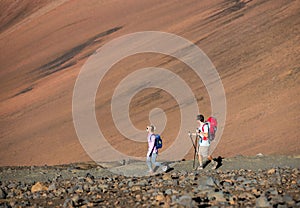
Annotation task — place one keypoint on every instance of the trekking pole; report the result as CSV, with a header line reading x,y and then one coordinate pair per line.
x,y
195,147
195,153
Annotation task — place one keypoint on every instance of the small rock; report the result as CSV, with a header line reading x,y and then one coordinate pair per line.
x,y
77,201
12,203
86,187
145,198
206,181
120,185
273,192
173,198
256,192
79,189
232,200
12,186
2,194
59,192
240,179
227,182
11,195
142,183
130,184
185,201
75,198
38,187
103,187
168,192
263,182
136,188
281,206
288,200
138,197
88,175
89,180
271,171
218,196
159,198
296,171
52,187
167,177
248,182
246,196
277,199
262,202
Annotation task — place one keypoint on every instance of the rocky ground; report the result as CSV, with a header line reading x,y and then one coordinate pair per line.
x,y
260,181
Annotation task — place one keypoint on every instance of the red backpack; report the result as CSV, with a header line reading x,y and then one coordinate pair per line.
x,y
212,127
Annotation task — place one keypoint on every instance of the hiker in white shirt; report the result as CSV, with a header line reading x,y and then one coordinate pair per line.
x,y
204,143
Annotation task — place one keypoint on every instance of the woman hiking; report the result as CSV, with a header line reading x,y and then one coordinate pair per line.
x,y
152,151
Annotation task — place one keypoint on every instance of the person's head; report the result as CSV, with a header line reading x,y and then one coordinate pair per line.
x,y
200,118
150,128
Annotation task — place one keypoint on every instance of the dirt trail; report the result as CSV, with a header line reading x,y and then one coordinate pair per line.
x,y
139,168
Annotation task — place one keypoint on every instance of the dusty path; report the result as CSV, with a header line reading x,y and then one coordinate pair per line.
x,y
238,182
139,168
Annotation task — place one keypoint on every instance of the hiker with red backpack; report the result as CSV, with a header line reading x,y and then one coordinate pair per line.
x,y
154,143
206,133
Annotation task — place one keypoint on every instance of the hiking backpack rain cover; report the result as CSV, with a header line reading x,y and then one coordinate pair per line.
x,y
212,127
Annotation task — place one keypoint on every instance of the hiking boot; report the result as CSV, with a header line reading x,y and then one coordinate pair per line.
x,y
214,165
165,168
200,167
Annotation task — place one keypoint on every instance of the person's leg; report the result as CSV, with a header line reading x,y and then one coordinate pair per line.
x,y
154,156
158,164
200,161
200,158
214,163
149,164
204,155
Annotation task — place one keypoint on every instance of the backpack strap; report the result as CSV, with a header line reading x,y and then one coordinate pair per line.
x,y
202,129
153,144
208,131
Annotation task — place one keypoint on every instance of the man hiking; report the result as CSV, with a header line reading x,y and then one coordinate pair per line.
x,y
204,143
152,150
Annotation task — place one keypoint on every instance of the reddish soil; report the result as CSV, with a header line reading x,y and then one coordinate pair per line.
x,y
253,44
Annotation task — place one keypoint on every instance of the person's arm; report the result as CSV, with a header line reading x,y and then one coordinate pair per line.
x,y
198,131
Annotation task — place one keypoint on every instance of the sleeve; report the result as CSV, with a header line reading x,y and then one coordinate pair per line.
x,y
152,141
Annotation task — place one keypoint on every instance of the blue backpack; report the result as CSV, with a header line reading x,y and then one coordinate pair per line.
x,y
158,141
